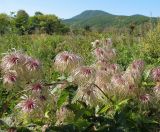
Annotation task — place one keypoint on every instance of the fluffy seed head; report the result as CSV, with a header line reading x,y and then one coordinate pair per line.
x,y
114,69
12,59
155,74
138,65
135,70
119,85
108,43
118,80
67,62
156,91
145,98
27,104
105,54
88,94
84,75
32,64
36,87
111,54
100,53
96,43
102,79
10,77
101,63
42,98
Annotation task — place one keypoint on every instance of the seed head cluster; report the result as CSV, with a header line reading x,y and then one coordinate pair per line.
x,y
104,78
21,70
106,74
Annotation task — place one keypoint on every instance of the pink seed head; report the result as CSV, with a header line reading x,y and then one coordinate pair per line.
x,y
118,79
114,68
64,57
138,65
65,61
42,98
12,59
86,71
99,51
84,75
131,87
145,98
10,77
155,73
101,63
157,89
37,87
32,64
27,104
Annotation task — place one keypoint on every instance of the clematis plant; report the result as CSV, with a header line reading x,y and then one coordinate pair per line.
x,y
97,84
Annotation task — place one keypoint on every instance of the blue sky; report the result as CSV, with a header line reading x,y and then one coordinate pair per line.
x,y
70,8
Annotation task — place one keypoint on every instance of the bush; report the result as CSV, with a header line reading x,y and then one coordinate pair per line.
x,y
150,49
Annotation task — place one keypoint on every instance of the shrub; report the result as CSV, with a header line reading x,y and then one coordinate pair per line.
x,y
151,46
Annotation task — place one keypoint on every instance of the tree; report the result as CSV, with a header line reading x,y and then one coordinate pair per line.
x,y
21,21
62,28
38,13
38,23
46,24
4,23
87,28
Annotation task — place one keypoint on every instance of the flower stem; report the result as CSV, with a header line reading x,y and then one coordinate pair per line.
x,y
104,93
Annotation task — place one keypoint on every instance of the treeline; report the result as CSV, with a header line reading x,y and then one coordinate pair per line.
x,y
21,23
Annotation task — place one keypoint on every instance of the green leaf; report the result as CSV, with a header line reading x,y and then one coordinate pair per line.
x,y
46,114
121,104
151,122
62,99
105,108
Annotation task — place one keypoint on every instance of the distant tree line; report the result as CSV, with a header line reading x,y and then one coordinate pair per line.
x,y
21,23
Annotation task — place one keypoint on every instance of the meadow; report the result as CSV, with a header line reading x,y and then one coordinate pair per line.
x,y
75,95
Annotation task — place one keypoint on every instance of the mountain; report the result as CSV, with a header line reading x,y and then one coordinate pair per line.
x,y
101,19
